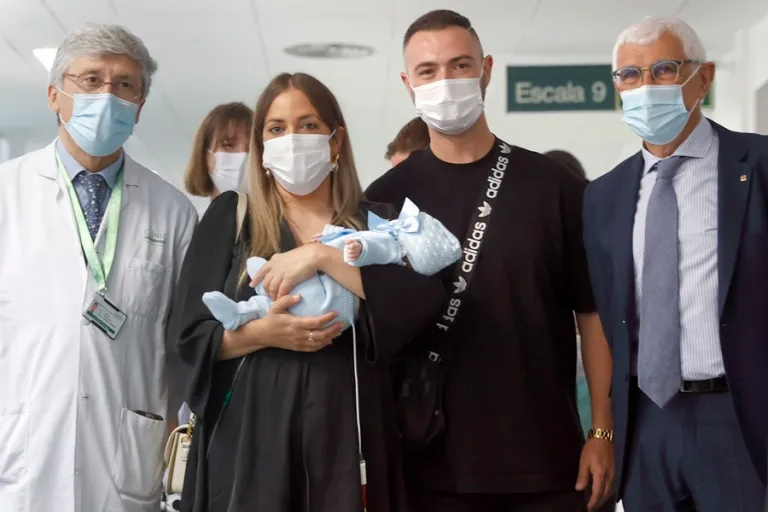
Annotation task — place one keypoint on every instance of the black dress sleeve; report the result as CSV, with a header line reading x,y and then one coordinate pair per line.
x,y
577,271
399,304
206,266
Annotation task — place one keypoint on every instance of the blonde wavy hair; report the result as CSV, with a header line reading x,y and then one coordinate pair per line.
x,y
264,203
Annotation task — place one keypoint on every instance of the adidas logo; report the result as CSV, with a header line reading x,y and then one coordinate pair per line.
x,y
497,173
485,210
460,285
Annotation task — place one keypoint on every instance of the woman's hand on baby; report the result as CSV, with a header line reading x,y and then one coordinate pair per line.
x,y
352,250
287,269
300,334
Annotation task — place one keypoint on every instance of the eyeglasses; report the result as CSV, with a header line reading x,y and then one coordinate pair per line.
x,y
94,84
663,72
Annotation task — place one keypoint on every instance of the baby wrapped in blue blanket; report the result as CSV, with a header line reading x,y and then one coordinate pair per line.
x,y
414,239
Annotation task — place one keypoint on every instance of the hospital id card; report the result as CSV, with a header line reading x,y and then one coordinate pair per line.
x,y
105,315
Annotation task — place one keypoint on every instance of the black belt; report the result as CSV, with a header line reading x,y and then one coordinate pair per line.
x,y
716,385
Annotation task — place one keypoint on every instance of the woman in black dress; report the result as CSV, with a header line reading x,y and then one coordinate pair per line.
x,y
277,428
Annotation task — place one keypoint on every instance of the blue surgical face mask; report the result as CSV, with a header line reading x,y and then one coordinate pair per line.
x,y
100,123
656,113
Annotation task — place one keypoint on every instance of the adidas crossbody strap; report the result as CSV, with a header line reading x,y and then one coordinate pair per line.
x,y
471,247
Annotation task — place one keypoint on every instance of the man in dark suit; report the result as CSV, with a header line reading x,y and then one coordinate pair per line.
x,y
677,244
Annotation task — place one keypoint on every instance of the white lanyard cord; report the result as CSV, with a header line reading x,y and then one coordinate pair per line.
x,y
363,468
357,393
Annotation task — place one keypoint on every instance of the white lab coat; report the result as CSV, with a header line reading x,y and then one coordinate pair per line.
x,y
69,441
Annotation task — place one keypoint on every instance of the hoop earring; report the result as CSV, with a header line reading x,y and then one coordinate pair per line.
x,y
335,164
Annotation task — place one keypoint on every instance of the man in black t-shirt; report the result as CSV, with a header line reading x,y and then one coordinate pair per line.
x,y
513,440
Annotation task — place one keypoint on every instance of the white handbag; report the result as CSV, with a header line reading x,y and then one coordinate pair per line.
x,y
180,440
176,455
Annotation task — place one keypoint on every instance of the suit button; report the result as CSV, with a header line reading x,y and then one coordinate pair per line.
x,y
624,322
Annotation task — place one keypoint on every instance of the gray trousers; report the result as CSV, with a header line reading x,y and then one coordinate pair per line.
x,y
689,457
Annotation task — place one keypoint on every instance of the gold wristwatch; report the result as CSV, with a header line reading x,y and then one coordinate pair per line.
x,y
600,433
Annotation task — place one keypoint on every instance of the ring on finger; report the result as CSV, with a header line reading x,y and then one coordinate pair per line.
x,y
311,336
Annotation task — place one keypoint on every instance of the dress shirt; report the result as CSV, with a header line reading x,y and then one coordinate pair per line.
x,y
695,185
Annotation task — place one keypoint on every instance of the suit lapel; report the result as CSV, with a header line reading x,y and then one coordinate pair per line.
x,y
624,221
733,184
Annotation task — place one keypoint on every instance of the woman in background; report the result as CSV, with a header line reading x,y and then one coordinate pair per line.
x,y
220,151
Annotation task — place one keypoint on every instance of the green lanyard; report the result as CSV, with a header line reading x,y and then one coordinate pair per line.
x,y
99,271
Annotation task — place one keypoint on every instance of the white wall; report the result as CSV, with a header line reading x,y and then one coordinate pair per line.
x,y
5,150
758,41
746,71
757,37
761,110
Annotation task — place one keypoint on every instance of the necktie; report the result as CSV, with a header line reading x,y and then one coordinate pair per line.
x,y
658,359
94,185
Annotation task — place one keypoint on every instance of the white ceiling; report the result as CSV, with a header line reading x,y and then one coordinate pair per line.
x,y
213,52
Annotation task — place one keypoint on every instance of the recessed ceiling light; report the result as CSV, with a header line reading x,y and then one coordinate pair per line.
x,y
45,56
330,50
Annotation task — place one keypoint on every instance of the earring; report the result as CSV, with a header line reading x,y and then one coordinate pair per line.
x,y
335,164
267,172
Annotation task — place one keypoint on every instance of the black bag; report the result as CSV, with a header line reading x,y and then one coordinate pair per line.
x,y
422,369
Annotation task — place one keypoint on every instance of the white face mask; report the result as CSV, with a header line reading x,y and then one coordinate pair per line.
x,y
229,170
450,106
299,162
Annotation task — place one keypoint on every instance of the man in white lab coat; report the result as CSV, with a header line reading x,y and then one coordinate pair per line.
x,y
91,244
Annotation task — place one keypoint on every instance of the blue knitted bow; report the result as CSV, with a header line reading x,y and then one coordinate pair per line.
x,y
407,221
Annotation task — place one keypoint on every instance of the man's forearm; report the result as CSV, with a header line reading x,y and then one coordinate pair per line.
x,y
596,356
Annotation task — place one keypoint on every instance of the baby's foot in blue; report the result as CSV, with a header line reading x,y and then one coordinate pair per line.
x,y
223,309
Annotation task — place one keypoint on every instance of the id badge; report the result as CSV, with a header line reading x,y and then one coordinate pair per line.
x,y
105,315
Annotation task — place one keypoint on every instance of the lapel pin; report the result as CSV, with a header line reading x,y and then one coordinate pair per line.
x,y
743,177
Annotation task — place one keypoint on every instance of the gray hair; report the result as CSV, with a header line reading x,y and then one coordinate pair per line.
x,y
650,30
95,40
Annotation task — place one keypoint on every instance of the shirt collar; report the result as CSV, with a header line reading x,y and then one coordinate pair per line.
x,y
695,146
74,168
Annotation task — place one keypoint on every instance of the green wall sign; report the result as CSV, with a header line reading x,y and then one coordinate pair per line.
x,y
558,88
565,88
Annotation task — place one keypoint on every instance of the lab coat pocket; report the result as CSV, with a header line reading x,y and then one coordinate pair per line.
x,y
144,288
139,461
14,432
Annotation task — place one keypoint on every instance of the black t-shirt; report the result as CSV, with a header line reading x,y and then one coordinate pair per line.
x,y
510,402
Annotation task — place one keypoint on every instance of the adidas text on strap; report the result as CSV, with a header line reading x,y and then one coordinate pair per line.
x,y
473,242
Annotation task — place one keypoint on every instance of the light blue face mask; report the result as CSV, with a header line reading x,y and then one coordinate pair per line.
x,y
656,113
100,123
